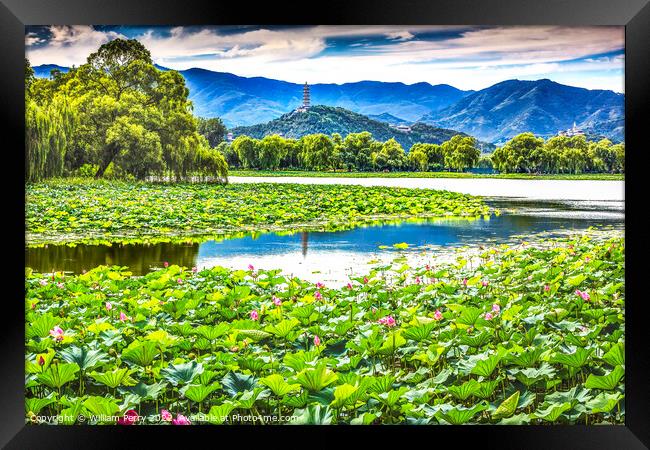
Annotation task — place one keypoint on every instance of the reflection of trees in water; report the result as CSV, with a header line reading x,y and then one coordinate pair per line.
x,y
138,257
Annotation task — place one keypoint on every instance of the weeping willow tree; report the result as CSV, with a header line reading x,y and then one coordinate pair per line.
x,y
48,131
117,110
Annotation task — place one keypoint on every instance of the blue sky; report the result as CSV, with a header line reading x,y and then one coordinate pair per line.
x,y
462,56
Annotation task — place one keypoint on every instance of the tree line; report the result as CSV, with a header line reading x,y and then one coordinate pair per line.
x,y
116,115
355,152
524,153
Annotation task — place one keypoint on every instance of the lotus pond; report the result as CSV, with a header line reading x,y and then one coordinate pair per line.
x,y
526,334
90,211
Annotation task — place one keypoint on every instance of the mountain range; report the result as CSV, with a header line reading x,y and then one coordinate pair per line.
x,y
493,114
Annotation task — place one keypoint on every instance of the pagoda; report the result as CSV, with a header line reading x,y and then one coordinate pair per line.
x,y
306,99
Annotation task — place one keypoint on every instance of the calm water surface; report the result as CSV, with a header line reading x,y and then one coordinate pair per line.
x,y
333,256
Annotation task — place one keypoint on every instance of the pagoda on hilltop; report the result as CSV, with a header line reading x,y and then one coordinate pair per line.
x,y
306,99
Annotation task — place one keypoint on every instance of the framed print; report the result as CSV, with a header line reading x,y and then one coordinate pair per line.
x,y
326,221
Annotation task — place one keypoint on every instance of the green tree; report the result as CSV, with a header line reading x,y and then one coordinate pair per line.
x,y
390,157
356,151
317,152
271,150
520,154
246,149
460,152
417,159
213,129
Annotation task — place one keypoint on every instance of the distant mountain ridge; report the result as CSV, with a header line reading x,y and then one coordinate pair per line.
x,y
493,114
329,120
543,107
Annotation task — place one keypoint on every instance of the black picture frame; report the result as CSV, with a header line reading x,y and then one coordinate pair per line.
x,y
633,14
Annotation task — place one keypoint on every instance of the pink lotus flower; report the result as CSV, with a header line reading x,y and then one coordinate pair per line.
x,y
547,288
587,259
465,282
254,315
181,420
108,306
250,267
129,418
57,333
417,280
485,283
165,415
389,321
165,264
194,270
427,267
583,294
496,308
316,340
41,360
319,285
350,286
276,301
43,283
59,285
488,316
179,281
123,317
365,280
437,315
318,295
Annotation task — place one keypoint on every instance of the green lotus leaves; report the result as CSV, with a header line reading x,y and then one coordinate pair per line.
x,y
181,374
540,357
141,353
236,383
58,374
198,393
143,212
278,385
219,413
606,382
114,378
316,379
507,408
84,357
616,355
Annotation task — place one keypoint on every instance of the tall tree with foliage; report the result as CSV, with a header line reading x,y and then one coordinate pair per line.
x,y
212,129
129,115
390,157
520,154
246,149
460,152
317,152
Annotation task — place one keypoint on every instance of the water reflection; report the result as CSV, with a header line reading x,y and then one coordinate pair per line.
x,y
304,253
139,258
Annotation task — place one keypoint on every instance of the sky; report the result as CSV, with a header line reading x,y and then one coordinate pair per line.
x,y
466,57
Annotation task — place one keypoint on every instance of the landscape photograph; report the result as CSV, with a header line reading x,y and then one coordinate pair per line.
x,y
324,225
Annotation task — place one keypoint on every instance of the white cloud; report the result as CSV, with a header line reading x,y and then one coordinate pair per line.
x,y
69,45
470,58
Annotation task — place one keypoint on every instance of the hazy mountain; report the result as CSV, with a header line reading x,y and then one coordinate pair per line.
x,y
44,70
494,114
245,101
543,107
329,120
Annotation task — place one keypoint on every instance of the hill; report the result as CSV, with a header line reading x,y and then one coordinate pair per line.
x,y
329,120
246,101
543,107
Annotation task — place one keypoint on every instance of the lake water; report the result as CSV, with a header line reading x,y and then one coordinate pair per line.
x,y
333,256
